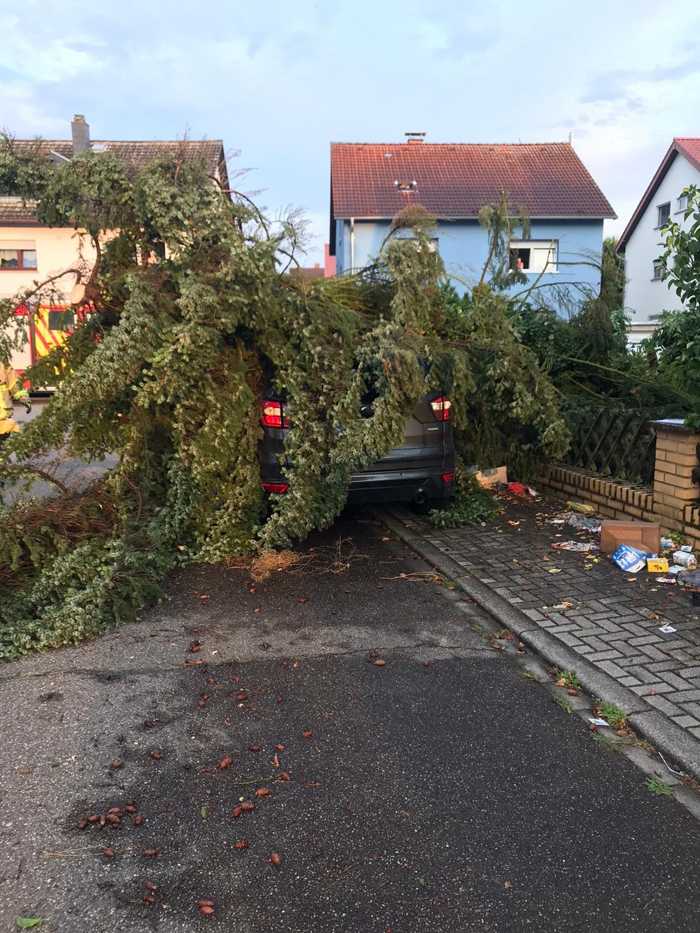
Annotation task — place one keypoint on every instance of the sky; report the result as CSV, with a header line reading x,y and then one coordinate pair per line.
x,y
278,81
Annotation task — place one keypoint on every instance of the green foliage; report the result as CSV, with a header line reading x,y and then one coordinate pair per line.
x,y
193,320
658,787
471,505
507,409
587,357
614,715
676,344
501,226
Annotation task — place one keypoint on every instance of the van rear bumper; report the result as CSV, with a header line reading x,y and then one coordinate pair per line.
x,y
399,486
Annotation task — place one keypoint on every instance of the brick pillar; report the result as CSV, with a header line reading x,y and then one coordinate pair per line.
x,y
676,486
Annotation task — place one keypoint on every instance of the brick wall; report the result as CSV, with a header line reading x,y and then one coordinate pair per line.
x,y
673,500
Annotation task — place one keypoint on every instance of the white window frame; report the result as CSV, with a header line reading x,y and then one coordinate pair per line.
x,y
550,247
656,269
659,223
681,203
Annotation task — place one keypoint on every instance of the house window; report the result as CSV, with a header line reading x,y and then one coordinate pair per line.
x,y
61,320
663,213
13,259
681,203
658,269
533,255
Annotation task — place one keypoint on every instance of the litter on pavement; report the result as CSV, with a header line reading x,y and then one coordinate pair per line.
x,y
584,507
597,721
579,522
630,559
580,546
686,559
667,629
657,565
643,535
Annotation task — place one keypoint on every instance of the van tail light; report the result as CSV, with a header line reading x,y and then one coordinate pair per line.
x,y
448,478
441,408
278,488
272,416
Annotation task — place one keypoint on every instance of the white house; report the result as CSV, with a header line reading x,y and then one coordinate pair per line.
x,y
646,295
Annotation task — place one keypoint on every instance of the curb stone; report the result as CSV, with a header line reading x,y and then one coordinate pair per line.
x,y
652,725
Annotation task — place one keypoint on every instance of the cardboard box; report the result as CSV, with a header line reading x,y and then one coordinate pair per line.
x,y
491,477
657,565
643,535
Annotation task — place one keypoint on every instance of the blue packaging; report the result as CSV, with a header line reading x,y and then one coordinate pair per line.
x,y
630,559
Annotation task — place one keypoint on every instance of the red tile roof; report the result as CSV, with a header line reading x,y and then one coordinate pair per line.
x,y
456,180
687,146
690,147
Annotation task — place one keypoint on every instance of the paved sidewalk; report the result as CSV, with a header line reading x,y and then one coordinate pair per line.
x,y
595,613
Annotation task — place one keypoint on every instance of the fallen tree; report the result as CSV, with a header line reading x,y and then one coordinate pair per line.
x,y
192,317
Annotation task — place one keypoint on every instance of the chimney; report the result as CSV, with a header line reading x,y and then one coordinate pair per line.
x,y
80,131
415,137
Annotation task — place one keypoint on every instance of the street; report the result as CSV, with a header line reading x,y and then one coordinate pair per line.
x,y
442,790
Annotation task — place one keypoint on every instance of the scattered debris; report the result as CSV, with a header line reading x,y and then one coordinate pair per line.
x,y
598,721
206,907
579,522
579,546
271,562
686,559
667,629
657,565
645,536
630,559
585,508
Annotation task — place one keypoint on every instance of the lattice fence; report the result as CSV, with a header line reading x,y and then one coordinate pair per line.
x,y
618,443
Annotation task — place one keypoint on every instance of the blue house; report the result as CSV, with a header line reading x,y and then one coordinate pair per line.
x,y
372,182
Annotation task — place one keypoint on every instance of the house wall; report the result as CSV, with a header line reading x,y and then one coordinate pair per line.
x,y
57,249
463,246
646,299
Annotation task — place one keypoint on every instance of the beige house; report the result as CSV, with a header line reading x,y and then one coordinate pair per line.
x,y
32,253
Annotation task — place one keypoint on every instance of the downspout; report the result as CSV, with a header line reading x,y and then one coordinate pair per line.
x,y
352,245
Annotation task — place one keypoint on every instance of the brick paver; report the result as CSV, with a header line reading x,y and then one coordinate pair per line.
x,y
614,617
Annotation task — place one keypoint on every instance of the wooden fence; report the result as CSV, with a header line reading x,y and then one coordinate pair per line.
x,y
613,442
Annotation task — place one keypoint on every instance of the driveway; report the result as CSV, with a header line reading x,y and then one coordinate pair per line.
x,y
72,472
442,790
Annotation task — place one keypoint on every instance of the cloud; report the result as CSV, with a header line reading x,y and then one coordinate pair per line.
x,y
616,85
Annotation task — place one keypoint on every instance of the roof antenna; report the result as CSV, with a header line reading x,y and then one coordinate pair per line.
x,y
571,138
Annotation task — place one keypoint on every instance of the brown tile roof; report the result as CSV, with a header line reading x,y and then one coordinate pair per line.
x,y
135,153
454,180
685,145
16,212
307,273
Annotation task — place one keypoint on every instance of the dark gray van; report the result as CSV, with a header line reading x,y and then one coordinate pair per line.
x,y
420,470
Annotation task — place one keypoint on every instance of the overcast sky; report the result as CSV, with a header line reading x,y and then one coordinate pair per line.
x,y
279,80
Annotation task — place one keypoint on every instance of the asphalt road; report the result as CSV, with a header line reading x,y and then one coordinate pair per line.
x,y
442,791
72,472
